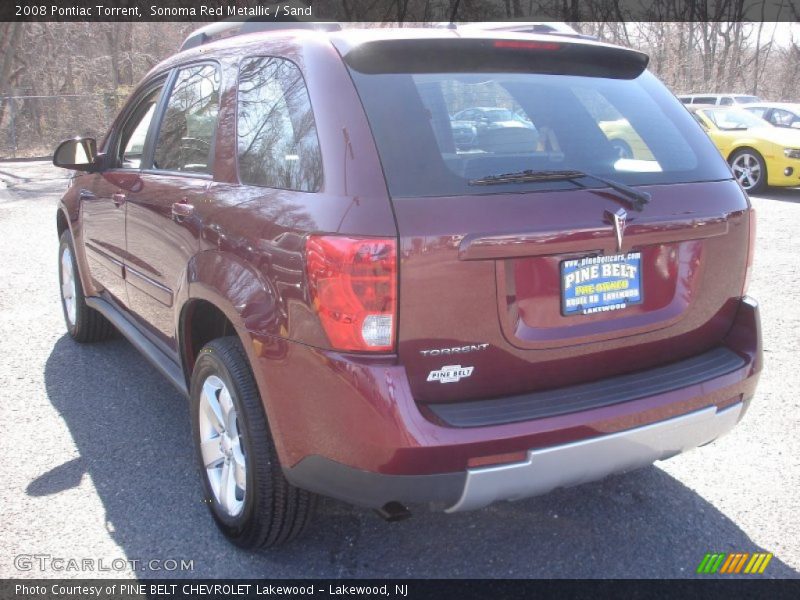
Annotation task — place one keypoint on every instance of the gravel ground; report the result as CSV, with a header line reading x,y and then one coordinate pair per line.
x,y
97,459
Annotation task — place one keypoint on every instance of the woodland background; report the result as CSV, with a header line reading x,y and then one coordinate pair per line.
x,y
63,79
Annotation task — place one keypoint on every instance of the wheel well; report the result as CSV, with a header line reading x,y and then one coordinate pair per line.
x,y
740,148
61,222
201,322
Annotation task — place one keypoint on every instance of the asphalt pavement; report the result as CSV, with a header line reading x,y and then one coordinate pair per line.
x,y
98,465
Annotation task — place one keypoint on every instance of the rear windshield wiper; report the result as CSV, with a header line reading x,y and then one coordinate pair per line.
x,y
636,197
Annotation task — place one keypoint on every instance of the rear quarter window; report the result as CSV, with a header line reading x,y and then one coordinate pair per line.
x,y
277,143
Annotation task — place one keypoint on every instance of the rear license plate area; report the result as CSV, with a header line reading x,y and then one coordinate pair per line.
x,y
598,284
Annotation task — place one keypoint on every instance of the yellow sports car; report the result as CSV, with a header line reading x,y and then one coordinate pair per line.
x,y
625,140
759,153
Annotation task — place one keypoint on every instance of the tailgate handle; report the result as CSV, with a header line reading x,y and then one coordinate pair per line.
x,y
639,232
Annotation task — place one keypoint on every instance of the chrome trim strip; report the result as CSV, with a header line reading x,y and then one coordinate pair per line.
x,y
488,246
146,285
102,259
589,460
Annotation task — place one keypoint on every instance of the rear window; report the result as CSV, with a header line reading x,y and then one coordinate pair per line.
x,y
437,133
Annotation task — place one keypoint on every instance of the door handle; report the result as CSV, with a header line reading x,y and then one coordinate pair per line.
x,y
118,199
181,210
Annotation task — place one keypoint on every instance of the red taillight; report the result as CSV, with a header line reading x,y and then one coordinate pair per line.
x,y
521,45
751,250
353,285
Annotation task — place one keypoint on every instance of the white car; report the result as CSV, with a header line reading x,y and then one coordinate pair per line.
x,y
780,114
721,99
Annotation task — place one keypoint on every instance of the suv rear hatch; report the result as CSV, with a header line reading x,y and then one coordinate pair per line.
x,y
596,233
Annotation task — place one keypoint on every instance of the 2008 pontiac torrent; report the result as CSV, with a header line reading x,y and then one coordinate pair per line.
x,y
368,298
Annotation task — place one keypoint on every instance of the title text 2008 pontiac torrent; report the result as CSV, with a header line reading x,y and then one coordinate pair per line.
x,y
410,268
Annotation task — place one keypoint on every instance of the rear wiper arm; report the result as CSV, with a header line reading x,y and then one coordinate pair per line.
x,y
636,197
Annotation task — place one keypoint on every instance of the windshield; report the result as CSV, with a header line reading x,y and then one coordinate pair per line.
x,y
630,131
732,119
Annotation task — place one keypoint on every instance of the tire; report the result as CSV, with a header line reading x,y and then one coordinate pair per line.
x,y
84,324
267,511
749,169
622,148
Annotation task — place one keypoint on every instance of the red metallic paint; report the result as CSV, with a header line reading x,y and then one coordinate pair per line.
x,y
242,251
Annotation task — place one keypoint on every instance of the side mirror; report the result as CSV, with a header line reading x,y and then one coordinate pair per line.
x,y
78,154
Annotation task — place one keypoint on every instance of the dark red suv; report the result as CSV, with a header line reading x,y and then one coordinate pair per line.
x,y
360,305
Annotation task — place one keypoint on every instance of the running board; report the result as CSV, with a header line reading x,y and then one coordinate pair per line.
x,y
151,352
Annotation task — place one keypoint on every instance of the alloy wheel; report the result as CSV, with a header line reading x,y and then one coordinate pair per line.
x,y
68,290
221,446
747,170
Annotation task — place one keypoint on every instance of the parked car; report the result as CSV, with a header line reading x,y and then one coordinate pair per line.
x,y
465,134
759,153
720,99
780,114
625,140
355,310
499,129
492,117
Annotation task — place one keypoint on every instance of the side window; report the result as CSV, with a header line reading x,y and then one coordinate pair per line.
x,y
726,101
782,118
134,132
277,136
704,100
187,131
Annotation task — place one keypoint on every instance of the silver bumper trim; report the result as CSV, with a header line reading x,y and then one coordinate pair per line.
x,y
589,460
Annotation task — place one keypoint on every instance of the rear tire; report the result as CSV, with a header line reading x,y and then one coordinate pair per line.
x,y
84,324
251,501
749,169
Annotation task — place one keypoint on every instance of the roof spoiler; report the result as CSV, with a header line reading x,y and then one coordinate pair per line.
x,y
240,26
545,55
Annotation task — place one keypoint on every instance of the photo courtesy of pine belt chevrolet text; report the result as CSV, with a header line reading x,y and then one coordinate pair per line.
x,y
413,269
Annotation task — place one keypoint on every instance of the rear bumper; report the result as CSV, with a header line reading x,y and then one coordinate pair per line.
x,y
391,452
589,460
544,469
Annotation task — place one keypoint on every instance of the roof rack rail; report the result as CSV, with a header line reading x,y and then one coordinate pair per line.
x,y
239,26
